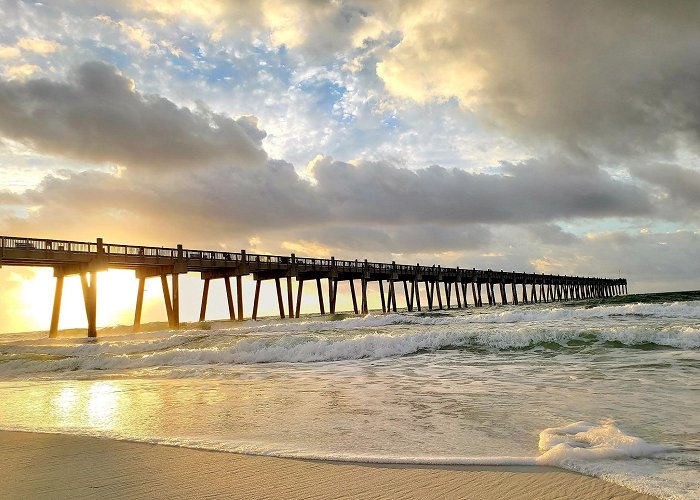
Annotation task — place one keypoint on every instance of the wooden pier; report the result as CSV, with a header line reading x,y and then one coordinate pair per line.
x,y
444,287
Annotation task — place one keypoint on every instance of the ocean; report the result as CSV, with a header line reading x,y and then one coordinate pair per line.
x,y
609,388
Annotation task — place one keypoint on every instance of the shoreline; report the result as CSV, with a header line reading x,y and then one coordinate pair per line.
x,y
38,465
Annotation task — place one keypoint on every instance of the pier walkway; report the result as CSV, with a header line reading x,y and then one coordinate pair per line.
x,y
443,287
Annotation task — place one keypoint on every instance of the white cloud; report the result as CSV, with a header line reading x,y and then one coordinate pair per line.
x,y
38,45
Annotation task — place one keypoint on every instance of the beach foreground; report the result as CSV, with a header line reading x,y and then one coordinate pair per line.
x,y
61,466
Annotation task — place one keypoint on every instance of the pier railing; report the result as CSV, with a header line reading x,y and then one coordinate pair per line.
x,y
69,257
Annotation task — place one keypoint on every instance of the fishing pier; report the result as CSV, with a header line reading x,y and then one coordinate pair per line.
x,y
443,287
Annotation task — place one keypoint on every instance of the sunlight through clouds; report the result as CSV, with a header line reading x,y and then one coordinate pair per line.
x,y
429,130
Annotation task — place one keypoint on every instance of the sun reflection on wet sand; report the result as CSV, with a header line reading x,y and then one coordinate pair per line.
x,y
102,405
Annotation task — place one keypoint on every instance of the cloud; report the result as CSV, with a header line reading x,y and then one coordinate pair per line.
x,y
20,71
613,81
135,34
534,190
318,29
9,52
610,78
38,45
682,185
365,207
552,234
197,172
97,117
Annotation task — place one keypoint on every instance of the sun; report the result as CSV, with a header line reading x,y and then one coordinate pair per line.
x,y
116,297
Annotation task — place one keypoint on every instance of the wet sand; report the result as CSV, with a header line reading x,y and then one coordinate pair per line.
x,y
60,466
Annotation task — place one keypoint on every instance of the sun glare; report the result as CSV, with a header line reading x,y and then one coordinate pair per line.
x,y
116,296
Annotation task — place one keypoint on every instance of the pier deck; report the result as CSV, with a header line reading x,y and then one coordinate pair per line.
x,y
444,287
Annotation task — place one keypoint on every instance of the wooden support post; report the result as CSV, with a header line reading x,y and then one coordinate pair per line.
x,y
409,306
417,287
514,292
300,287
166,299
239,296
56,312
524,293
392,292
139,304
388,296
381,294
459,300
256,299
448,294
335,294
429,294
331,295
363,292
413,293
439,296
86,293
354,297
92,315
290,297
474,296
205,298
504,298
176,300
229,299
319,288
280,302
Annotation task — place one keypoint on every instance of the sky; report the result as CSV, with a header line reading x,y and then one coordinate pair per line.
x,y
551,136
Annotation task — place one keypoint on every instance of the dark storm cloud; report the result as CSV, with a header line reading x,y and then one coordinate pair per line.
x,y
97,117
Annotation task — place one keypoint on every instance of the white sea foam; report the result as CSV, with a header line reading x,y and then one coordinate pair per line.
x,y
586,441
220,347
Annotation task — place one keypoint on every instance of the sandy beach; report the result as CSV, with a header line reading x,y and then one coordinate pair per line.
x,y
60,466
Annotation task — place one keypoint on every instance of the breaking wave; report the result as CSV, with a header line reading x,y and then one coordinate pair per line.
x,y
221,347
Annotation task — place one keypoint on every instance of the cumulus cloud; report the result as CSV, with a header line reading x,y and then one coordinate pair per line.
x,y
612,80
20,71
97,116
318,28
38,45
133,33
615,78
9,52
225,185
